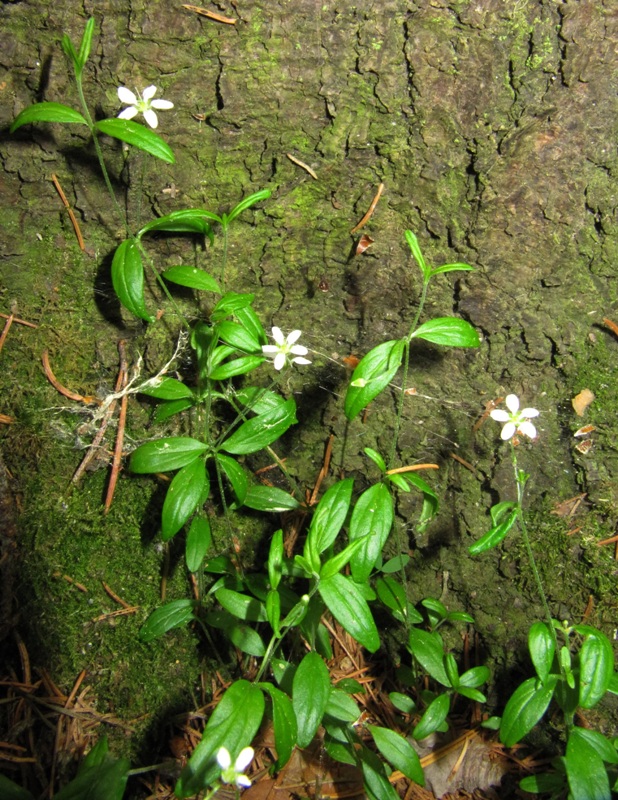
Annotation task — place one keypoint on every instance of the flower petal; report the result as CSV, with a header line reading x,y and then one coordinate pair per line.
x,y
530,412
162,105
245,757
293,337
300,360
500,415
149,92
151,118
128,113
126,96
298,350
242,780
278,336
508,431
279,362
512,403
270,349
224,759
527,429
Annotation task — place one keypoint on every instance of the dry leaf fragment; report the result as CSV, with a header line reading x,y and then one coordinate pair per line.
x,y
585,430
581,401
363,243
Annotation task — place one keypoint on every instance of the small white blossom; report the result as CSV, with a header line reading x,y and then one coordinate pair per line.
x,y
142,104
234,774
515,421
285,350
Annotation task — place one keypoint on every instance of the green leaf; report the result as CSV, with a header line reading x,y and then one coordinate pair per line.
x,y
398,752
188,220
596,667
371,521
475,676
258,400
183,496
238,366
138,136
105,779
586,772
338,562
191,277
524,709
233,725
167,410
449,331
164,455
342,707
395,564
262,430
375,457
500,511
238,336
542,649
284,723
47,112
494,536
547,782
11,791
275,559
269,498
254,198
416,252
373,374
402,702
251,322
376,782
199,540
393,595
167,389
310,693
86,44
458,267
229,304
241,606
235,474
171,615
330,515
433,718
430,499
242,636
128,279
347,605
428,649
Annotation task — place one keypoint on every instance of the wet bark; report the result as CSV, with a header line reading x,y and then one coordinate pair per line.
x,y
493,128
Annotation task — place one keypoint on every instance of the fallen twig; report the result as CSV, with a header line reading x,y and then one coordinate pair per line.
x,y
372,208
59,387
73,218
302,164
122,380
210,14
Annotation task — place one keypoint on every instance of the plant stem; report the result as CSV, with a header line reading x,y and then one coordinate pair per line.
x,y
404,375
520,481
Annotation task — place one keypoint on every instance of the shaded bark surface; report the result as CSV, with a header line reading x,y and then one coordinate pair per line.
x,y
493,126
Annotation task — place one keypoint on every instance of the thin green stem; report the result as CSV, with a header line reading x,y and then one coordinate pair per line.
x,y
521,484
225,247
404,376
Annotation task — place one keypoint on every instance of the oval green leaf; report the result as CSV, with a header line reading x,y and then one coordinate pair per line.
x,y
167,389
166,454
188,220
372,518
169,616
448,331
183,496
398,752
373,374
199,540
47,112
191,277
128,279
269,498
524,709
433,718
596,667
310,693
137,135
262,430
347,605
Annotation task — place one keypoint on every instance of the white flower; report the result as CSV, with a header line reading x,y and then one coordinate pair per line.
x,y
285,349
516,421
234,774
142,104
